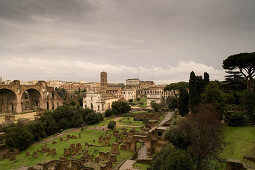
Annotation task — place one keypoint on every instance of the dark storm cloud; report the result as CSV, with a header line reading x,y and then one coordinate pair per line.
x,y
20,10
130,38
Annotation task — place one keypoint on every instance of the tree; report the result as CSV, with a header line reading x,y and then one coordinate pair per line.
x,y
196,87
37,129
121,107
184,102
193,90
206,78
49,123
62,92
175,87
234,81
243,63
18,136
110,112
111,125
172,159
248,103
200,134
155,106
214,95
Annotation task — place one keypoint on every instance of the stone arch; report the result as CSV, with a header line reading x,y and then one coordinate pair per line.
x,y
8,101
32,97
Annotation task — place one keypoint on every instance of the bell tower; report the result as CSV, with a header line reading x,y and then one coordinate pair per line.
x,y
103,82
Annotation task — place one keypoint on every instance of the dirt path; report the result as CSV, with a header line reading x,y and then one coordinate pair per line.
x,y
166,118
128,165
58,135
30,116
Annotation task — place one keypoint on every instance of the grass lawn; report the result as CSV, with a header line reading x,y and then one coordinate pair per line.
x,y
86,136
141,166
130,121
140,112
142,102
239,141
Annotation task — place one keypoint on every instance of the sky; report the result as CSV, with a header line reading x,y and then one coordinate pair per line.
x,y
159,40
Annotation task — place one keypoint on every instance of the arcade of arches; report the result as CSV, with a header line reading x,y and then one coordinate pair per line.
x,y
16,98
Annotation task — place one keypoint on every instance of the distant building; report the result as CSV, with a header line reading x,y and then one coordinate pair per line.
x,y
1,80
103,82
133,82
72,87
129,93
101,98
99,102
155,90
55,83
153,98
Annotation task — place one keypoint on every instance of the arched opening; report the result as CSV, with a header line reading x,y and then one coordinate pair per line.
x,y
91,106
30,100
48,106
52,104
8,101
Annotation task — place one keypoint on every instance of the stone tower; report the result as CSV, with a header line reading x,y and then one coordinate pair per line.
x,y
103,82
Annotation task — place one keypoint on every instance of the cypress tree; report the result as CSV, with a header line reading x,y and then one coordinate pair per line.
x,y
206,78
193,90
184,102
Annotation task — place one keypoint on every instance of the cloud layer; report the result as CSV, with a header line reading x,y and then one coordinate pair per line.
x,y
81,70
143,36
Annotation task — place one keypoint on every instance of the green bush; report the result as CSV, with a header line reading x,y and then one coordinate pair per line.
x,y
236,119
121,107
172,159
18,136
110,112
51,122
111,125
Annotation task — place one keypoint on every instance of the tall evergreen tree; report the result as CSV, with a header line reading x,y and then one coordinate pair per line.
x,y
193,90
184,102
206,78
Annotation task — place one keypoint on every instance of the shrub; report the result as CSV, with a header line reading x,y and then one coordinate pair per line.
x,y
111,125
18,136
121,107
172,159
110,112
236,119
155,106
130,100
94,118
200,133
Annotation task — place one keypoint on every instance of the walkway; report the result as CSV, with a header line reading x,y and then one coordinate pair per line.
x,y
166,118
128,165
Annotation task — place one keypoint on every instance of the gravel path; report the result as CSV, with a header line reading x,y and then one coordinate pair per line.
x,y
128,165
166,118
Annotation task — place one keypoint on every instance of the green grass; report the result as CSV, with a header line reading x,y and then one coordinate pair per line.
x,y
140,112
239,141
141,166
86,136
130,121
142,102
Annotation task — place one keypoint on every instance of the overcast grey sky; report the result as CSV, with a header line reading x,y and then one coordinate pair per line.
x,y
160,40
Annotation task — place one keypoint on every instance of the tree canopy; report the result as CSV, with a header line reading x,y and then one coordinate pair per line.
x,y
243,63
